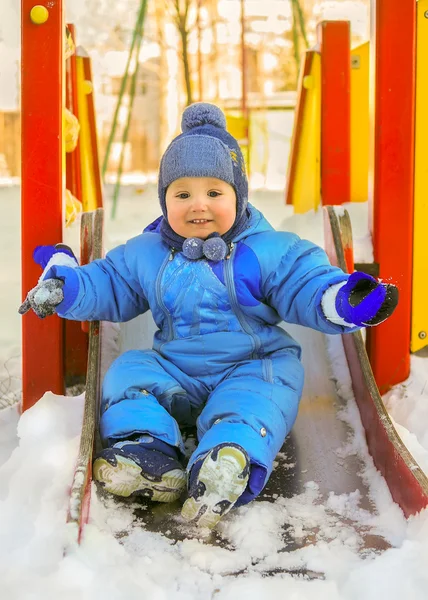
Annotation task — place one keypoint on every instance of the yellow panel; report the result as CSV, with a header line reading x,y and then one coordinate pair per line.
x,y
306,189
419,337
360,122
89,199
238,127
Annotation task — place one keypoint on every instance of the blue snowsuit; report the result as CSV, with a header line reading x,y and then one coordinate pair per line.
x,y
219,356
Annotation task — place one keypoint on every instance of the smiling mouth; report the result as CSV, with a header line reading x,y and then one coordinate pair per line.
x,y
200,221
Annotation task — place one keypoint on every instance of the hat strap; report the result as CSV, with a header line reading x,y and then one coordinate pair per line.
x,y
176,241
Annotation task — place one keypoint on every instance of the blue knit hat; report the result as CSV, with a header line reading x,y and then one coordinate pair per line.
x,y
204,149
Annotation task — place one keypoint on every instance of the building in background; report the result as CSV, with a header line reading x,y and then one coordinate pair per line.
x,y
214,72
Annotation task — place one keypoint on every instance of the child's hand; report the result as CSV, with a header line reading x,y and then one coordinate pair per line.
x,y
43,298
364,301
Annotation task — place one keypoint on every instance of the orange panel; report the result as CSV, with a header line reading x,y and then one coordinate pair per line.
x,y
74,181
76,341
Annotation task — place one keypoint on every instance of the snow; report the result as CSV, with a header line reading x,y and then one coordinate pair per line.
x,y
117,561
407,406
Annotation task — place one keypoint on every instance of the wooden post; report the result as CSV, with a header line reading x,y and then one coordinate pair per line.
x,y
391,169
42,185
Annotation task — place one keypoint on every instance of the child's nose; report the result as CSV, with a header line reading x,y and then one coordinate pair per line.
x,y
199,202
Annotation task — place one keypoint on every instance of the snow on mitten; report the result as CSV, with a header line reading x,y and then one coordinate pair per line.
x,y
361,301
43,298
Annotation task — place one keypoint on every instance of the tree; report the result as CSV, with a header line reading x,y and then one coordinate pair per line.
x,y
180,13
103,24
298,32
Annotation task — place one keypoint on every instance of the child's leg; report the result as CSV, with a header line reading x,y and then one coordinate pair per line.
x,y
143,439
144,393
252,410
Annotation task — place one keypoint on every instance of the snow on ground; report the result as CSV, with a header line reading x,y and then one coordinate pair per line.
x,y
37,459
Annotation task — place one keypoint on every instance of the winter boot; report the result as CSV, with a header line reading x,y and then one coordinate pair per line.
x,y
216,483
135,468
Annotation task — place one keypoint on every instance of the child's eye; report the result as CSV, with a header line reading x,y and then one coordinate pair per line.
x,y
213,194
183,195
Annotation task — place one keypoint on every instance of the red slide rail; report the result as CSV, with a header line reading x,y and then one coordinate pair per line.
x,y
407,482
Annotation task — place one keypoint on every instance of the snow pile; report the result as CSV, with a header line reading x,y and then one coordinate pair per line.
x,y
34,492
408,407
117,561
8,427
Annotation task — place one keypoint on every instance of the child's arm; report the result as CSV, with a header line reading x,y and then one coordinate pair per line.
x,y
307,290
105,290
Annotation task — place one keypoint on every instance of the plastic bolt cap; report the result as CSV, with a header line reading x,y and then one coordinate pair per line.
x,y
39,14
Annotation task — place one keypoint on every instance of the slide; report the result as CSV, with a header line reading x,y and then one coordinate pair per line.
x,y
321,462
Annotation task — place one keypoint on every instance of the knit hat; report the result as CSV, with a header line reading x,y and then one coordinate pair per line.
x,y
204,149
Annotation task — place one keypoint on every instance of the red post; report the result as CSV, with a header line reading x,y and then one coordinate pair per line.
x,y
391,166
42,185
334,44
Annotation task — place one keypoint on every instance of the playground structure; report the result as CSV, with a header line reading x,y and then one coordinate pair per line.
x,y
50,84
327,131
360,123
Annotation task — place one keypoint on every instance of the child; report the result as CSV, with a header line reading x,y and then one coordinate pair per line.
x,y
218,280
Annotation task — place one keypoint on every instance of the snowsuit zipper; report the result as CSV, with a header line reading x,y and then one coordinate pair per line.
x,y
230,285
160,299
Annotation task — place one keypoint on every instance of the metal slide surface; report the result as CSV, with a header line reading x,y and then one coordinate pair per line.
x,y
310,453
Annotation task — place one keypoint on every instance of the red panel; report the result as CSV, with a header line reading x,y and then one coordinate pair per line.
x,y
334,43
75,353
393,115
42,188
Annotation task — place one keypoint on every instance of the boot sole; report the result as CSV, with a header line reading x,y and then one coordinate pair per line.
x,y
223,479
126,478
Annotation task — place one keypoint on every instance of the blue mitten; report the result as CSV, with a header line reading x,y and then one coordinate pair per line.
x,y
42,255
58,283
364,301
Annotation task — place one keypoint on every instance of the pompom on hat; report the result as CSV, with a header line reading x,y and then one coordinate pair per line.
x,y
204,149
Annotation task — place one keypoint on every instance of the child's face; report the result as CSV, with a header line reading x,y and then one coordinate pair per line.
x,y
198,206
